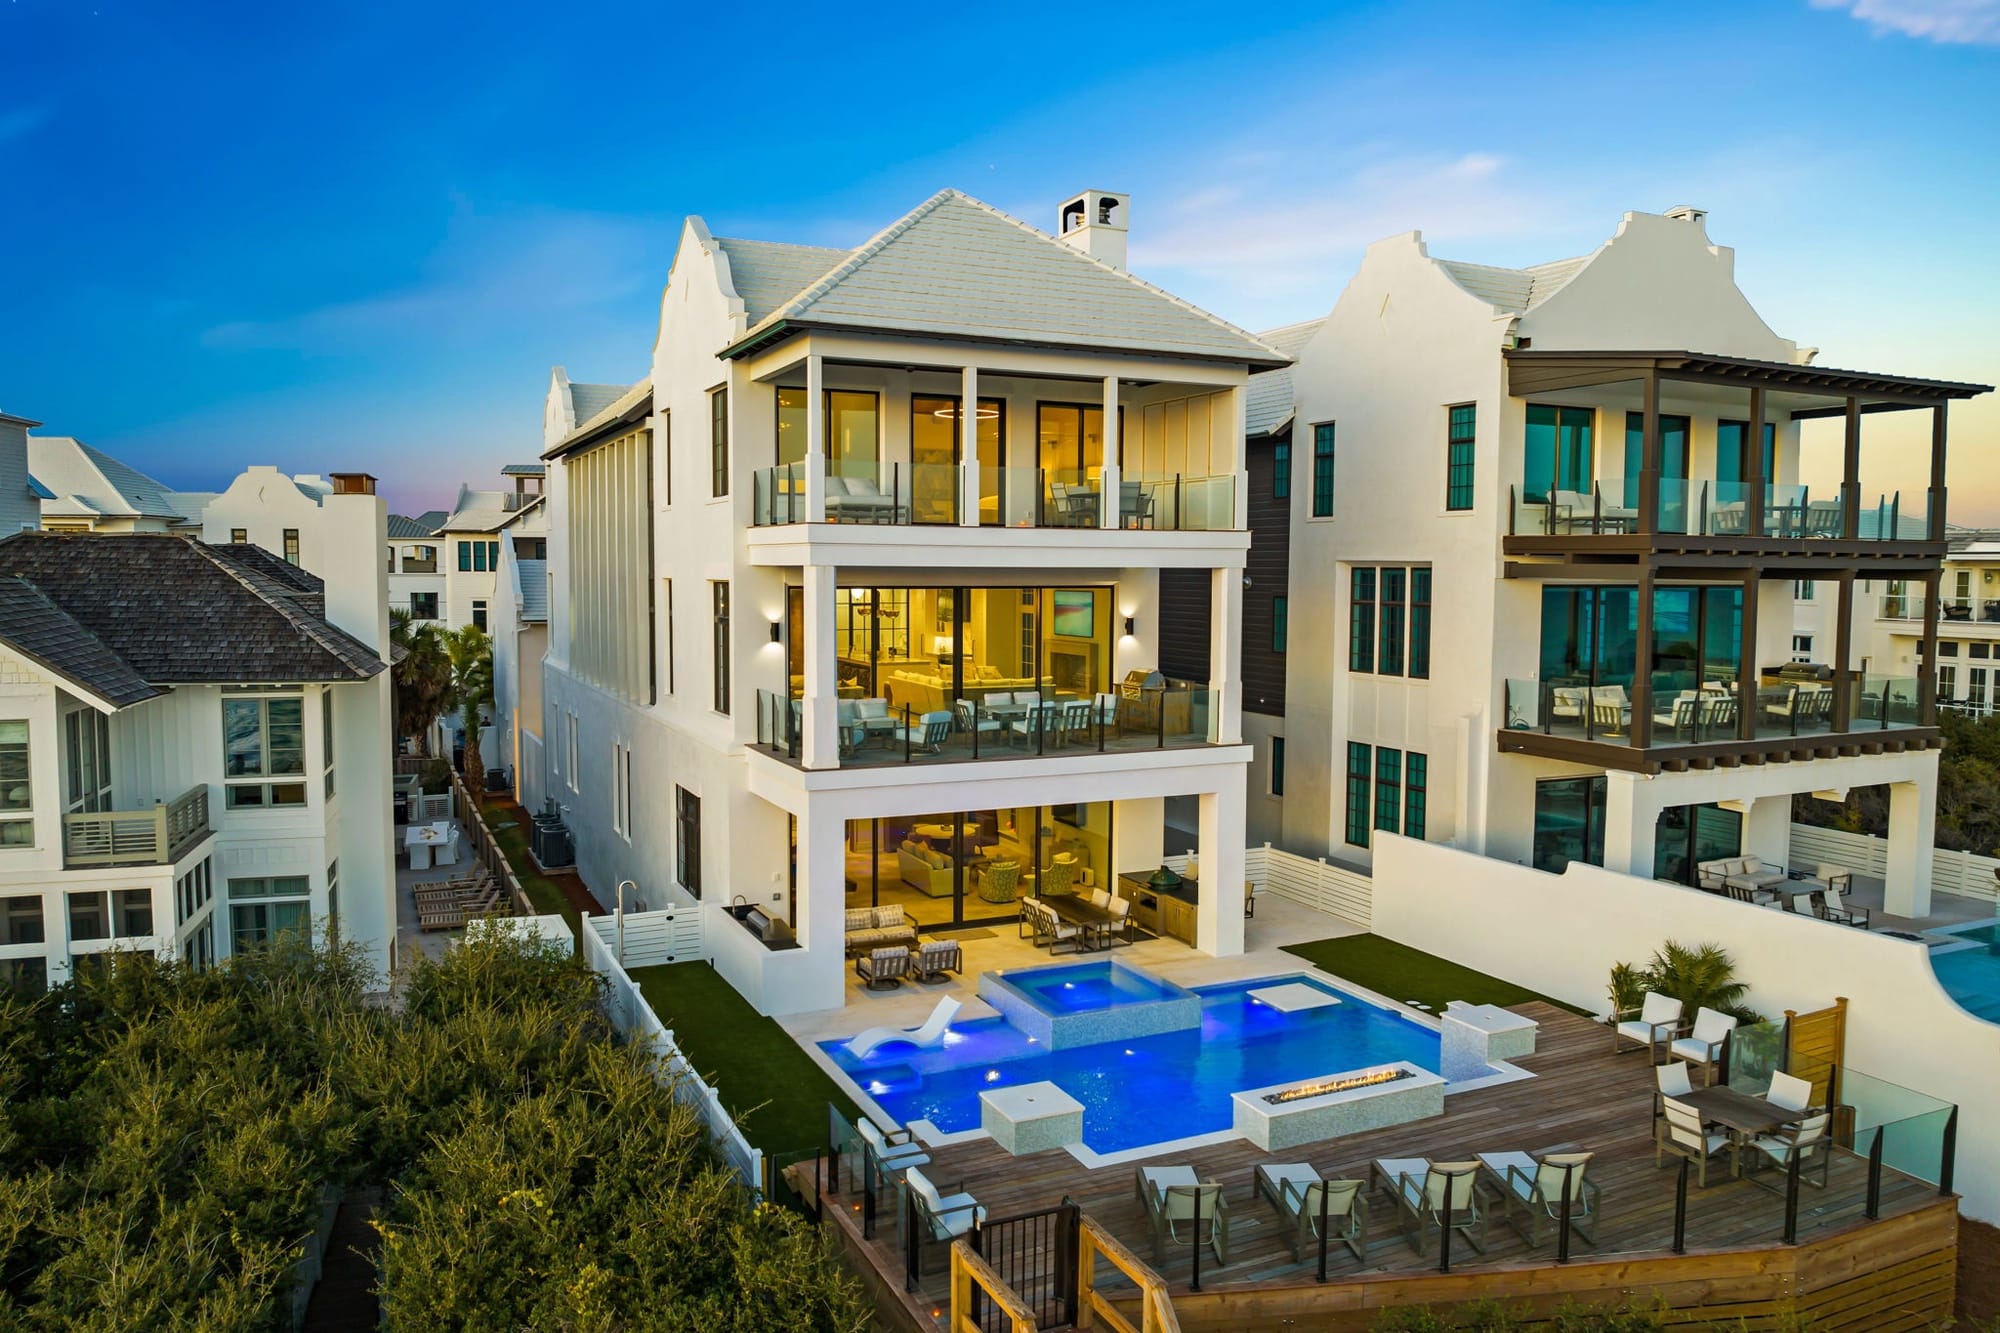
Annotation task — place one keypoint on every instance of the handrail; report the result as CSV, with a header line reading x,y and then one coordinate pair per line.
x,y
152,836
1156,1308
969,1270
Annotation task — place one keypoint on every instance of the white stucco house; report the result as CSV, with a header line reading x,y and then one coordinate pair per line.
x,y
1560,584
84,489
816,645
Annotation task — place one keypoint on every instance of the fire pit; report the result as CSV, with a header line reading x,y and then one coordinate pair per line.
x,y
1346,1083
1290,1114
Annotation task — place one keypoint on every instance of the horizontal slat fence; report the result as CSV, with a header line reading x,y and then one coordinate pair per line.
x,y
1962,873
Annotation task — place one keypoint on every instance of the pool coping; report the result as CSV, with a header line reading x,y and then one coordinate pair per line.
x,y
1947,936
1504,1072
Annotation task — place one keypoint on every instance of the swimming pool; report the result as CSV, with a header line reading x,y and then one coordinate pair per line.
x,y
1083,1004
1097,985
1152,1089
1971,976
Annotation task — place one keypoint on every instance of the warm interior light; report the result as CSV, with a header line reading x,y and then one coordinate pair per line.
x,y
949,412
1325,1086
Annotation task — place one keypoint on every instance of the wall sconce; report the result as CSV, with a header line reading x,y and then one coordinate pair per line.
x,y
776,632
1130,623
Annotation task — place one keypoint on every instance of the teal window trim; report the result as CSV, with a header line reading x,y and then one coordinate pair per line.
x,y
718,442
1388,789
1361,619
1281,470
1420,623
1393,584
1461,431
1360,787
1416,794
1278,628
1323,470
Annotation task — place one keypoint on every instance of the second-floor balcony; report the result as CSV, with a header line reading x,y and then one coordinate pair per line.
x,y
1709,508
1951,610
158,835
966,495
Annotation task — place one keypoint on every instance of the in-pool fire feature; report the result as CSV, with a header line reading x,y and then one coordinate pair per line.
x,y
1326,1085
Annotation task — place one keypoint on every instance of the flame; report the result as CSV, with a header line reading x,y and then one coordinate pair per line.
x,y
1344,1084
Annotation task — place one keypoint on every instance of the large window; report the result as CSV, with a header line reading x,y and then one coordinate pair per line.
x,y
478,557
719,599
1323,470
263,745
16,787
1361,619
1388,788
687,840
423,606
1673,503
1732,458
1686,835
937,445
1389,661
1420,623
718,443
852,430
1461,429
99,914
262,908
21,920
87,755
1069,439
1558,452
1569,822
1360,784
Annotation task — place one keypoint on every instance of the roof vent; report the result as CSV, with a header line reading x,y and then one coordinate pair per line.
x,y
1094,222
353,483
1687,213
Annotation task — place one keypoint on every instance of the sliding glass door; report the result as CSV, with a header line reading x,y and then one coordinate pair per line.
x,y
1558,452
968,867
1687,835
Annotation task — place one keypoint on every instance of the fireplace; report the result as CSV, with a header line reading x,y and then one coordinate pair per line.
x,y
1074,670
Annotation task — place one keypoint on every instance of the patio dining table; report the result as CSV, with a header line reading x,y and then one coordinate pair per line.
x,y
1743,1115
420,839
1093,922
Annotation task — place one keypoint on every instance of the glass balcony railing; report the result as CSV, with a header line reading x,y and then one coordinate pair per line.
x,y
778,495
1688,710
1176,502
1006,724
1710,509
928,493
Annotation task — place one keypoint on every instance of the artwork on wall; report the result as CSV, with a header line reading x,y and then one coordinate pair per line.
x,y
1075,614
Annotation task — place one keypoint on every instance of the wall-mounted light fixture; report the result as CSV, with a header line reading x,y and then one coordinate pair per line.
x,y
776,631
1130,623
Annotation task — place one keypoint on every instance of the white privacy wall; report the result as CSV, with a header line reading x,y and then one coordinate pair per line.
x,y
1561,933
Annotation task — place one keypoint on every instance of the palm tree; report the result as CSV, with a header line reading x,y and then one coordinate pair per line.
x,y
471,654
422,680
1700,976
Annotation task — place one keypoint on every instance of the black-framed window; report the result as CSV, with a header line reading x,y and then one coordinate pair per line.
x,y
718,442
238,536
1460,429
1388,789
1569,822
719,597
1420,623
291,546
1278,630
479,614
1281,470
1323,470
1277,765
1394,584
687,840
1360,786
423,606
1361,619
1416,794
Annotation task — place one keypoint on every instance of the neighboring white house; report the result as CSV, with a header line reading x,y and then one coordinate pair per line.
x,y
812,648
84,489
20,502
520,630
416,574
470,539
264,507
194,745
1968,650
1560,588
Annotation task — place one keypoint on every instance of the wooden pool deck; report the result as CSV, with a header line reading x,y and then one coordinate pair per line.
x,y
1581,1098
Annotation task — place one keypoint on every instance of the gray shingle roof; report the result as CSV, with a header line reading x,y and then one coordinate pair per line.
x,y
43,633
766,274
1268,400
175,611
590,399
404,528
532,469
956,267
1515,289
85,480
531,581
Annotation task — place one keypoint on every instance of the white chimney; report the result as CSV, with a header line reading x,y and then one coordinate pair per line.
x,y
1687,213
1095,223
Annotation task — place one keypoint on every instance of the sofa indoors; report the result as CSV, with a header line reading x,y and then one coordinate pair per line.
x,y
878,928
925,869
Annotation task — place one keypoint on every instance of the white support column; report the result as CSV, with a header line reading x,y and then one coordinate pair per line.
x,y
1219,915
1767,829
1108,507
1239,412
822,854
968,447
1225,656
1912,831
819,746
815,442
1631,818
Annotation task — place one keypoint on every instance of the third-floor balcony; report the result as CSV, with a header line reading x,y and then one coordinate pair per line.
x,y
1711,508
950,495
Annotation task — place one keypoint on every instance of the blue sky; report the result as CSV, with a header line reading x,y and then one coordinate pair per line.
x,y
358,237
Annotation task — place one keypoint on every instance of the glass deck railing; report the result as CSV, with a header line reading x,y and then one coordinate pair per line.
x,y
1709,509
928,493
1687,710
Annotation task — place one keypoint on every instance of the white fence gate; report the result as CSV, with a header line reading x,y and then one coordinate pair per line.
x,y
647,939
636,1021
1962,873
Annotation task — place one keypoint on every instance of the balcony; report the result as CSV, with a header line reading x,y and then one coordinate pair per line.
x,y
415,566
1702,723
931,495
1951,610
1004,724
157,836
1703,517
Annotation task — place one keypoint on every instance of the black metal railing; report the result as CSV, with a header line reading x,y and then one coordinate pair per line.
x,y
1035,1254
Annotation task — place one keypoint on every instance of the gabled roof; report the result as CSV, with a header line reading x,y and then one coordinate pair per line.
x,y
531,583
527,469
170,610
587,400
402,527
1518,290
958,268
1267,403
82,480
630,406
766,274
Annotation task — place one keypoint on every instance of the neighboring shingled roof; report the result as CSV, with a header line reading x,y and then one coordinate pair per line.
x,y
486,511
956,267
766,274
84,480
590,399
532,469
1268,400
532,583
176,611
404,528
1515,289
40,631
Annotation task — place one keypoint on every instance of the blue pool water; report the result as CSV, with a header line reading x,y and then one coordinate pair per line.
x,y
1972,976
1078,987
1144,1090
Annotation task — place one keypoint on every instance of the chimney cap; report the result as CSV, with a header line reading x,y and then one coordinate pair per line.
x,y
1687,213
352,483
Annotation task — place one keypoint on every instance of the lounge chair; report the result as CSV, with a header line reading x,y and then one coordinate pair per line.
x,y
941,1217
1806,1140
1174,1197
931,1033
1834,906
1704,1045
934,958
1300,1195
1672,1081
1532,1189
929,733
1433,1195
1788,1092
884,969
1650,1027
893,1152
1687,1137
1118,931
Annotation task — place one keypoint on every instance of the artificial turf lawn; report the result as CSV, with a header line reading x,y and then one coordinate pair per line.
x,y
512,837
1402,973
774,1089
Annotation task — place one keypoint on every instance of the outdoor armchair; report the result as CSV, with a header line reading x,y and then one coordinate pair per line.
x,y
1300,1195
1532,1190
1175,1201
1703,1046
1687,1137
1651,1026
1431,1196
